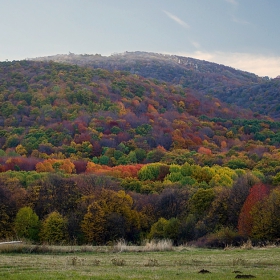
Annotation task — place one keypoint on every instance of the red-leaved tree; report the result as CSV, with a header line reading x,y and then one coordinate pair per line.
x,y
245,222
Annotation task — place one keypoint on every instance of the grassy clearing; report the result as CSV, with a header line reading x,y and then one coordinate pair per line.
x,y
180,263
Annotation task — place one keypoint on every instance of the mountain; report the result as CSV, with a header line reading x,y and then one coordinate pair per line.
x,y
65,103
51,109
118,153
244,89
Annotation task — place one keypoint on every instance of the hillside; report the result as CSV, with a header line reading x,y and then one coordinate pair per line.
x,y
50,108
108,155
233,86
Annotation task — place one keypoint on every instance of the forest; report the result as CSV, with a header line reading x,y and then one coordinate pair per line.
x,y
91,155
244,89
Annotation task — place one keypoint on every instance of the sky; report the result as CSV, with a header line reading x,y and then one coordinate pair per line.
x,y
244,34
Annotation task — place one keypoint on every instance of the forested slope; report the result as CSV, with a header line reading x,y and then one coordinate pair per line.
x,y
230,85
106,155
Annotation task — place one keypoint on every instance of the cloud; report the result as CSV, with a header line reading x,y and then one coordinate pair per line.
x,y
240,21
195,44
233,2
177,20
259,64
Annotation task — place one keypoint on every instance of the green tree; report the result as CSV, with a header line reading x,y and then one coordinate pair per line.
x,y
153,171
54,229
276,179
201,201
27,224
158,229
7,109
172,229
131,157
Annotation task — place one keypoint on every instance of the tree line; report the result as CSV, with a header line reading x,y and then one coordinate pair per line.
x,y
157,203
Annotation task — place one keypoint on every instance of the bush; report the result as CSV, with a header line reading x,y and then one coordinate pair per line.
x,y
221,239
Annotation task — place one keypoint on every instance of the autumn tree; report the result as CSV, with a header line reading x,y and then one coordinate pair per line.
x,y
93,222
266,217
171,203
54,165
238,194
245,222
57,194
7,212
111,217
54,229
153,171
217,216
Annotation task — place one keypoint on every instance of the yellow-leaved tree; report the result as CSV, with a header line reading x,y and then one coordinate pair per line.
x,y
54,229
111,217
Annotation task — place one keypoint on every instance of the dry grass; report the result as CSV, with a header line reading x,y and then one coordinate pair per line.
x,y
152,262
118,261
158,245
247,245
120,246
51,249
148,246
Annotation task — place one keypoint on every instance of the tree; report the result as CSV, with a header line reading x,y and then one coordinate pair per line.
x,y
93,223
172,229
276,179
245,222
187,229
217,216
55,165
111,217
205,151
238,194
21,150
54,229
266,217
57,194
201,201
158,229
7,211
27,224
171,203
153,171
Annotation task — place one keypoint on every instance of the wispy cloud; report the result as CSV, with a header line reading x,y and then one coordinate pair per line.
x,y
233,2
195,44
177,20
240,21
259,64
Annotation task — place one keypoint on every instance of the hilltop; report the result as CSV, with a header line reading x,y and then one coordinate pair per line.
x,y
230,85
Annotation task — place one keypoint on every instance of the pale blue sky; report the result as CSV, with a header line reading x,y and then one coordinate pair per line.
x,y
244,34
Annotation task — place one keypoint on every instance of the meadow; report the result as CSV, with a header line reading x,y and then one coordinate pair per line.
x,y
130,262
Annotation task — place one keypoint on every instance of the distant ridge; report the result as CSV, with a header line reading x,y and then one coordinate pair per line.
x,y
244,89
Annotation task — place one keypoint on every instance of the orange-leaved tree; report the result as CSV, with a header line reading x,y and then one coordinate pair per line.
x,y
53,165
245,222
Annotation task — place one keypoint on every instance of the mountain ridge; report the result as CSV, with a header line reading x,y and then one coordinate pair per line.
x,y
244,89
45,106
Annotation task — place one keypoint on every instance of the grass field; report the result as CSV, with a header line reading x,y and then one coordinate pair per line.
x,y
180,263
